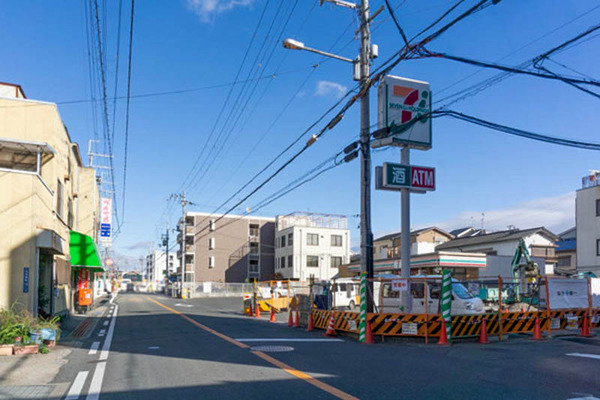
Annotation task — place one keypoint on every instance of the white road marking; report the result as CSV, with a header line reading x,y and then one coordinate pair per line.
x,y
102,332
596,356
183,305
287,340
109,336
587,397
96,385
106,322
94,348
77,385
153,347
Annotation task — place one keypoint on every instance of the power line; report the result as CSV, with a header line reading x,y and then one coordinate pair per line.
x,y
127,106
117,64
391,11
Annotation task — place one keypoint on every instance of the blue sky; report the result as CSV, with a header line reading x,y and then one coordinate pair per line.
x,y
186,44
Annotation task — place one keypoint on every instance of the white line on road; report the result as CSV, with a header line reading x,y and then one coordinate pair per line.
x,y
96,385
286,340
94,348
102,332
109,336
596,356
77,385
106,322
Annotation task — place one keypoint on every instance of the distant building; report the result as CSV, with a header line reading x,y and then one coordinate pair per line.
x,y
227,248
48,208
566,252
422,241
156,267
500,248
311,244
587,220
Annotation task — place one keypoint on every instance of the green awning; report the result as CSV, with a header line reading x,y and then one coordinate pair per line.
x,y
84,253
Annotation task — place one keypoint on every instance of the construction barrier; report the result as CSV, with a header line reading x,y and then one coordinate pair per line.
x,y
422,325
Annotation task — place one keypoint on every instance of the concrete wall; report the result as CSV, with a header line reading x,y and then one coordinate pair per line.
x,y
588,229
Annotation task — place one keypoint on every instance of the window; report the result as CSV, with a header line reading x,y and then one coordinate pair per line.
x,y
253,248
283,241
598,247
290,239
59,198
282,262
290,261
253,266
212,225
417,290
211,262
312,239
211,243
336,261
564,261
312,261
254,231
70,214
597,207
389,293
336,240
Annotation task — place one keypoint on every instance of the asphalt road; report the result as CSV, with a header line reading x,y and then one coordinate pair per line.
x,y
165,348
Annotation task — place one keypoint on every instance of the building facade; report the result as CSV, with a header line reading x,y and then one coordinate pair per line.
x,y
587,217
227,248
156,267
309,244
566,252
47,194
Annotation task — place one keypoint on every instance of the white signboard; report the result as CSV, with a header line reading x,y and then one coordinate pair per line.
x,y
595,284
400,285
401,102
106,221
409,328
567,293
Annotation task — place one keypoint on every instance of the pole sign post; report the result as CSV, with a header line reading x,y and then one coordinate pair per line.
x,y
106,221
402,107
446,305
399,176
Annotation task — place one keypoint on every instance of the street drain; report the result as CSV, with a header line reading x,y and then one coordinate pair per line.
x,y
272,349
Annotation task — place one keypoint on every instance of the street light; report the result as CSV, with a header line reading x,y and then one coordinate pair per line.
x,y
292,44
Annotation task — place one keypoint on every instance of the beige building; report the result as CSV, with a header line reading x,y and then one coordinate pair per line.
x,y
587,219
422,241
46,193
228,248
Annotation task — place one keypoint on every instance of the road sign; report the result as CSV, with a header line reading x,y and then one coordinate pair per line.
x,y
26,280
106,221
399,176
402,103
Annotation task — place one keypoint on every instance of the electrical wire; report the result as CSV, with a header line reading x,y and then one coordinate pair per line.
x,y
391,11
127,107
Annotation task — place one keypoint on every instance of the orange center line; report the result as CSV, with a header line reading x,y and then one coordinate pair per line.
x,y
290,370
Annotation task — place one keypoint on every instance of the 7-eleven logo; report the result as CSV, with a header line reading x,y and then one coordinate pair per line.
x,y
410,97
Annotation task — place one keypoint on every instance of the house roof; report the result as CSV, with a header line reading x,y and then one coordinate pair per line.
x,y
566,245
393,236
496,237
569,233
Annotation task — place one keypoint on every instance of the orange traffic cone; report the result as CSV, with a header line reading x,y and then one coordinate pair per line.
x,y
443,335
537,332
291,320
297,322
257,313
311,326
483,336
585,327
272,315
369,334
331,327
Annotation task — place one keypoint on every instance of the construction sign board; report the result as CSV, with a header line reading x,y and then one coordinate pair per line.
x,y
400,176
404,106
106,221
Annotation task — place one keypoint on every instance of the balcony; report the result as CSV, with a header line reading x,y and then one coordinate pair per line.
x,y
189,267
190,249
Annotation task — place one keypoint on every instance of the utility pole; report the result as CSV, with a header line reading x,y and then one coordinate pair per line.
x,y
366,236
405,299
184,202
165,243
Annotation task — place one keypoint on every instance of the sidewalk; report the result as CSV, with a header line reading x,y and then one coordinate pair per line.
x,y
30,376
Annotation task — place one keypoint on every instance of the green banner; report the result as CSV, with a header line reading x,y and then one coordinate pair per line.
x,y
363,307
446,305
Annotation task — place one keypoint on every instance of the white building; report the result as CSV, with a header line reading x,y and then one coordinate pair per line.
x,y
156,265
587,212
308,244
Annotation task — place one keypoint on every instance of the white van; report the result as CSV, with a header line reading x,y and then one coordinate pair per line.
x,y
463,302
345,293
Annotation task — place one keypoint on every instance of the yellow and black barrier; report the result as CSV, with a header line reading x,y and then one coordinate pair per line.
x,y
423,325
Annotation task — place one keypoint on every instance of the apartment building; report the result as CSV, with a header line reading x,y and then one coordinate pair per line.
x,y
157,269
227,248
48,208
310,244
587,218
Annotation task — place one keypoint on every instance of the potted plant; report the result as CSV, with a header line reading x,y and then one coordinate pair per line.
x,y
29,348
49,330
